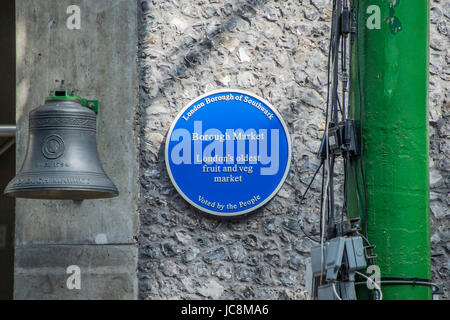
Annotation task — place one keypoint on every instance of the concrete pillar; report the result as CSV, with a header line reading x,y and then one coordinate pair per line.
x,y
98,61
7,154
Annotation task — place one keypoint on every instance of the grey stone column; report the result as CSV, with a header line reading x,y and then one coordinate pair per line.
x,y
98,61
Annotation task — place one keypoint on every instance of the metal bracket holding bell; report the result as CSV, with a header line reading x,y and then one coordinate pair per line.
x,y
63,94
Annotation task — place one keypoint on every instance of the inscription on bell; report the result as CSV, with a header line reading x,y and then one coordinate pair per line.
x,y
52,180
52,164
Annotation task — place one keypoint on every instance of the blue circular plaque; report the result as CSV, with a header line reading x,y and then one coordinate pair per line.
x,y
228,152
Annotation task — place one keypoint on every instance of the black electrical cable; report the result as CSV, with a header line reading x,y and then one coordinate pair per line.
x,y
345,26
335,57
339,32
330,45
331,211
335,107
325,146
345,109
343,70
358,201
303,198
352,40
361,125
341,107
346,169
364,238
310,183
321,198
408,281
310,237
331,92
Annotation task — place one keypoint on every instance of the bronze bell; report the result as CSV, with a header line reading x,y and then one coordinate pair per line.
x,y
62,160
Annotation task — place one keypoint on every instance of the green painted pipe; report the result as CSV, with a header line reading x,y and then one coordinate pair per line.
x,y
392,45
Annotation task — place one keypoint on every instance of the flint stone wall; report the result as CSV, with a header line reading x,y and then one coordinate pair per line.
x,y
278,50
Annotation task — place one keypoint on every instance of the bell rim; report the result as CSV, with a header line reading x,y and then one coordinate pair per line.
x,y
103,188
66,193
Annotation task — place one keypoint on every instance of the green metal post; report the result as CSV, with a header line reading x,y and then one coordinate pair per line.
x,y
389,78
